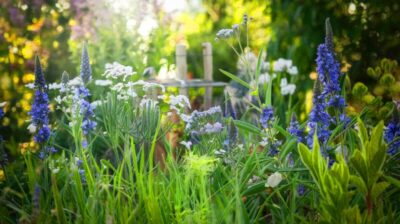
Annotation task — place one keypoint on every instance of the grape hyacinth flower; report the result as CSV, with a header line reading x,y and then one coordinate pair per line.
x,y
295,130
40,107
392,131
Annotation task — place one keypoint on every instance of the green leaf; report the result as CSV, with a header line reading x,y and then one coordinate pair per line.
x,y
57,200
247,127
235,78
358,181
378,189
360,165
393,181
363,134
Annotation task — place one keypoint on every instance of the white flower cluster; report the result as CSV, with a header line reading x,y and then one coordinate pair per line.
x,y
212,128
281,65
287,89
265,78
116,70
225,33
178,102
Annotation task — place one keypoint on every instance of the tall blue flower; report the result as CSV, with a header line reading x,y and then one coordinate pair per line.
x,y
319,119
295,130
86,70
392,131
40,106
327,94
82,96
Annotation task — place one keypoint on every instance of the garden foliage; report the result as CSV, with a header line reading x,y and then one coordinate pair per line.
x,y
134,152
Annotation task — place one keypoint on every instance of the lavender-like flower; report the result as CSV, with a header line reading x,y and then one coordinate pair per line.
x,y
82,94
392,131
295,130
86,70
267,117
319,119
327,93
40,106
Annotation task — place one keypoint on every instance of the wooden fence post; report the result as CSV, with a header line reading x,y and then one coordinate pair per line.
x,y
181,67
208,76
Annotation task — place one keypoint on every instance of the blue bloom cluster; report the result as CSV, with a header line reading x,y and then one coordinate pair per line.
x,y
319,119
295,130
1,113
82,94
273,148
392,132
40,106
267,117
327,93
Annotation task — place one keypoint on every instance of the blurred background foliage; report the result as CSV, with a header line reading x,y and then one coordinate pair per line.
x,y
144,33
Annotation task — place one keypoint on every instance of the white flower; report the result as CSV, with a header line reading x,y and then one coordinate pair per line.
x,y
32,128
293,70
58,99
55,86
30,85
179,100
187,144
130,92
264,142
2,104
122,97
145,101
265,78
287,89
77,81
55,170
103,82
282,64
116,70
274,180
212,128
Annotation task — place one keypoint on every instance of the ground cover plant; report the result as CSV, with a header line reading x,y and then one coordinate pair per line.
x,y
124,150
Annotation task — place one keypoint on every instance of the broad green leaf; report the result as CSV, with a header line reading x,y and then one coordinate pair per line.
x,y
376,140
358,181
360,165
235,78
363,134
378,189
